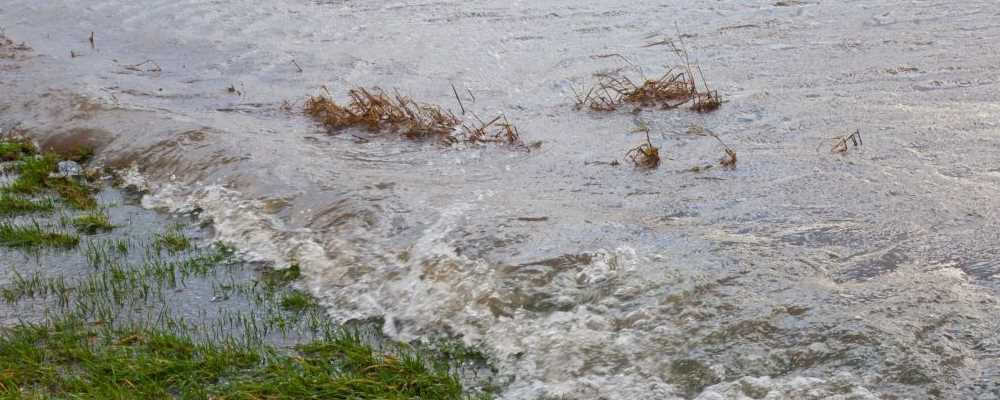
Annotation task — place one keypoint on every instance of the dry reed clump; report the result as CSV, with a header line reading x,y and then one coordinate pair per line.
x,y
645,155
729,158
676,87
840,143
9,49
376,111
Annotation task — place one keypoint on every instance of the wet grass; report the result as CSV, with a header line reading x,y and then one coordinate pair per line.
x,y
173,241
33,172
297,301
131,325
35,177
277,278
18,205
92,223
14,149
73,192
73,359
34,236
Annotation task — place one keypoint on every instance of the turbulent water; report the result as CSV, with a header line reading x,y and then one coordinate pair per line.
x,y
798,274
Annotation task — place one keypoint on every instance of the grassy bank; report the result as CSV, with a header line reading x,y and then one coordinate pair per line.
x,y
109,301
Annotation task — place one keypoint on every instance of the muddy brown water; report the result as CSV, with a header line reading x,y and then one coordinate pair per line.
x,y
798,274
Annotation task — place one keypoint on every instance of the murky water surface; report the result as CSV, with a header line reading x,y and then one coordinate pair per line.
x,y
799,274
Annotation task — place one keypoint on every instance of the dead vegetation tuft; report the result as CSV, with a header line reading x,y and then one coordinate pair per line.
x,y
498,130
841,142
9,49
676,87
729,157
145,66
376,111
645,156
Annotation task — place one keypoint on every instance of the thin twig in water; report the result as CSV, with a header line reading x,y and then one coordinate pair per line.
x,y
840,143
138,67
297,66
458,98
623,58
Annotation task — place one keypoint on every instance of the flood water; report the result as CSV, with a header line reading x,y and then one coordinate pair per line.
x,y
798,274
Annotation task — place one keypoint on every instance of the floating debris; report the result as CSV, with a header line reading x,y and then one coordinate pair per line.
x,y
145,66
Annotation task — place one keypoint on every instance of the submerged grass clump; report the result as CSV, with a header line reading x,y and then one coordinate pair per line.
x,y
376,111
674,88
842,143
92,223
34,236
297,301
173,241
17,205
644,155
276,278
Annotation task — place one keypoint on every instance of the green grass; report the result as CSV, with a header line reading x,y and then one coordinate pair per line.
x,y
34,236
297,301
173,241
73,192
33,173
73,359
34,178
113,333
15,149
18,205
277,278
92,223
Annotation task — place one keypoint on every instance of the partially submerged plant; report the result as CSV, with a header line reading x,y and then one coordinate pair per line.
x,y
644,155
281,277
840,142
498,130
674,88
297,301
173,241
92,223
727,160
376,111
33,236
16,205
